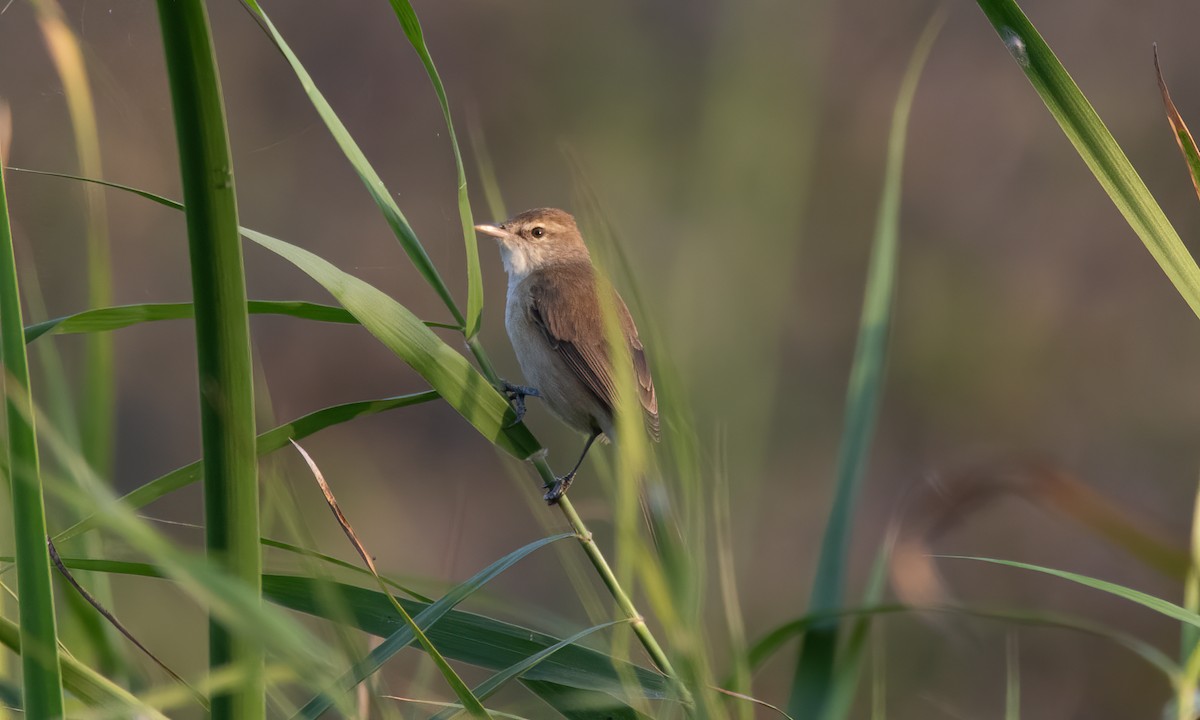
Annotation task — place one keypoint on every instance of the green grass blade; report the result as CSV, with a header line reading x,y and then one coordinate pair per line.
x,y
493,684
455,379
106,319
41,676
813,676
267,442
224,368
391,212
423,620
164,201
412,30
1096,145
1159,605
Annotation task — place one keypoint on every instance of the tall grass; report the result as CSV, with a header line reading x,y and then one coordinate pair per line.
x,y
41,676
665,521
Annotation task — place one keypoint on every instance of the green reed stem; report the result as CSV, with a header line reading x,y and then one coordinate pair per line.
x,y
41,676
222,337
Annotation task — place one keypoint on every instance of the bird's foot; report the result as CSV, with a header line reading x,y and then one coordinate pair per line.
x,y
558,489
516,396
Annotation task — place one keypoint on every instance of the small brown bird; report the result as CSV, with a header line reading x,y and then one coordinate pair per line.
x,y
555,322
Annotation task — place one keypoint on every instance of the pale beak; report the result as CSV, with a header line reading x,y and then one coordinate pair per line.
x,y
493,230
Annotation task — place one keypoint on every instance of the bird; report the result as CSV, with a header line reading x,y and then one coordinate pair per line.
x,y
556,325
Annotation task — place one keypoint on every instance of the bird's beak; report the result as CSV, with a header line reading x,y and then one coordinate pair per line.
x,y
494,230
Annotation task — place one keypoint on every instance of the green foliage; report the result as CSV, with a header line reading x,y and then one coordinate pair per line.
x,y
817,676
41,677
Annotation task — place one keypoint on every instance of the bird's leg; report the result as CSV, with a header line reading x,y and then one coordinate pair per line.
x,y
559,488
516,395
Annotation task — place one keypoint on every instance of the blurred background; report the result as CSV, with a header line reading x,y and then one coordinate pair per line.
x,y
739,150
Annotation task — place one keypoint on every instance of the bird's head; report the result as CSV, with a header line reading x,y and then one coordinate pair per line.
x,y
537,238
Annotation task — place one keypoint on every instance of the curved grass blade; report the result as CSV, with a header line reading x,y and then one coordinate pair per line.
x,y
1096,145
391,212
455,379
122,316
1183,137
490,686
120,627
1158,605
465,696
412,30
41,677
267,442
423,620
813,679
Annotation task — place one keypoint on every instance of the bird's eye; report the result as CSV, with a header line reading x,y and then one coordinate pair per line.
x,y
538,232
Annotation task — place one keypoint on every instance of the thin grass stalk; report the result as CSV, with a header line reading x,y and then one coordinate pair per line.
x,y
1012,688
813,680
1189,678
740,675
41,675
222,337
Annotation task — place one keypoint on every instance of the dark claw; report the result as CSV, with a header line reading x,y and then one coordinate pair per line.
x,y
558,489
516,396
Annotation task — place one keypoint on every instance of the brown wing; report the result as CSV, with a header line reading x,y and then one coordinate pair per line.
x,y
563,304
